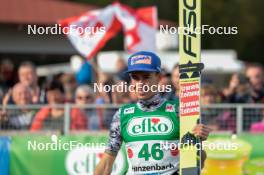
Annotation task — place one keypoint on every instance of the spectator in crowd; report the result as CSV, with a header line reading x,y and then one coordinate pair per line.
x,y
52,117
164,83
121,68
84,96
218,120
20,117
238,91
175,77
102,96
209,95
111,97
254,73
28,76
7,76
69,85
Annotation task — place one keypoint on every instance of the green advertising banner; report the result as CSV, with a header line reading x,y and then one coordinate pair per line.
x,y
79,154
48,155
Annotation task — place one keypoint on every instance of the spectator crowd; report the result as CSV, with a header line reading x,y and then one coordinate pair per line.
x,y
21,88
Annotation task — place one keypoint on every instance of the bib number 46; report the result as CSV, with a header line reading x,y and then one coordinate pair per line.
x,y
156,153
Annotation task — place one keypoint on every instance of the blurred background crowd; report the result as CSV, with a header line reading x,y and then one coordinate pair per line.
x,y
29,76
20,86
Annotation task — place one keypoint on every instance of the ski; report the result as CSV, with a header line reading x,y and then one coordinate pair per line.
x,y
190,75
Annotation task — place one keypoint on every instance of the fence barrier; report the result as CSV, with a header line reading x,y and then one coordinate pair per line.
x,y
235,118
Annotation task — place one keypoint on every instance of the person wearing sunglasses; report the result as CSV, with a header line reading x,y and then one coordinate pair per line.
x,y
84,96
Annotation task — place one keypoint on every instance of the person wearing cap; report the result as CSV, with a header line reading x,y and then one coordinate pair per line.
x,y
149,127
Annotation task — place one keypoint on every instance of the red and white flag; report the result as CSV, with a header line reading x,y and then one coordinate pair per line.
x,y
89,32
139,27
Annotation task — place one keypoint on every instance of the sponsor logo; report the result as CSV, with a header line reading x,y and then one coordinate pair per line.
x,y
155,167
130,110
83,160
156,125
190,20
189,95
141,59
170,108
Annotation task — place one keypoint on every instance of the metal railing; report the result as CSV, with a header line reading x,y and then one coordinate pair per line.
x,y
66,118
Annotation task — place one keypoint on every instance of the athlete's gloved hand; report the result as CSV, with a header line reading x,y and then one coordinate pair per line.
x,y
202,131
